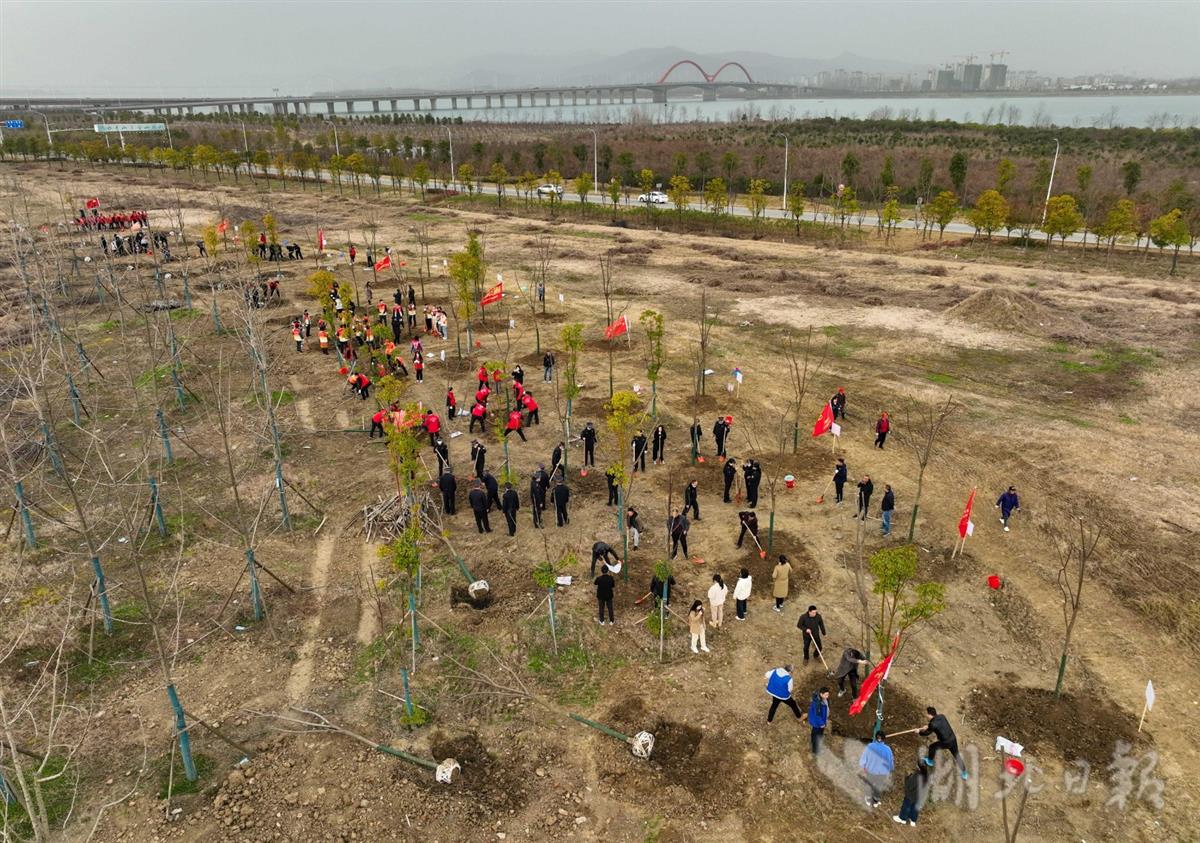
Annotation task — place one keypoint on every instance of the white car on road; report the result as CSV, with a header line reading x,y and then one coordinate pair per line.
x,y
550,190
654,197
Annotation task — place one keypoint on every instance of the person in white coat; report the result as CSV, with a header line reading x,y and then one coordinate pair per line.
x,y
717,592
741,593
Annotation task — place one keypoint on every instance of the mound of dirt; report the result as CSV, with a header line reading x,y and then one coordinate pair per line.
x,y
1009,310
1085,726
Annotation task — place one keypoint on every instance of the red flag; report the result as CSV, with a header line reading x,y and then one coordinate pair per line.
x,y
320,239
824,423
493,295
966,516
93,203
381,265
222,226
617,328
873,679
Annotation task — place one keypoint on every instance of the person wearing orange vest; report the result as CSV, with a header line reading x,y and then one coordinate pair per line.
x,y
298,336
531,407
451,404
389,347
419,369
341,340
478,415
370,336
323,340
433,426
382,309
377,423
364,387
514,424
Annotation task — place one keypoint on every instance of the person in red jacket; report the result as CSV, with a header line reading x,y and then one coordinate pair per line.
x,y
451,404
419,369
531,407
482,395
482,376
377,423
518,390
478,416
881,430
514,424
433,426
353,254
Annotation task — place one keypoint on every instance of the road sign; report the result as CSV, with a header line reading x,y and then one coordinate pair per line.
x,y
14,124
109,128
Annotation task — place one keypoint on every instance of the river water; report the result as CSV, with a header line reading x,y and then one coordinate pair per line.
x,y
1105,111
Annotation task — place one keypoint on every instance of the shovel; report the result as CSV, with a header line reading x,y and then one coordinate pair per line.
x,y
762,554
821,497
819,653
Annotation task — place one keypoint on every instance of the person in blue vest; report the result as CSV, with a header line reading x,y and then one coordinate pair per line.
x,y
818,718
875,766
779,689
1006,503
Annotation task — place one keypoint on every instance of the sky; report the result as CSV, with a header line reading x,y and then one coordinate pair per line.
x,y
198,47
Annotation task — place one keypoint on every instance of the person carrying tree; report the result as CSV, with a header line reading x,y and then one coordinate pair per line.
x,y
812,627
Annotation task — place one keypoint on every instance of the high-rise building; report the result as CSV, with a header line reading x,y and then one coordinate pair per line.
x,y
945,80
972,77
997,77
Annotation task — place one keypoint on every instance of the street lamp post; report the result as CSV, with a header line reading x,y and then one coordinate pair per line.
x,y
245,142
49,137
595,159
450,139
783,206
1050,185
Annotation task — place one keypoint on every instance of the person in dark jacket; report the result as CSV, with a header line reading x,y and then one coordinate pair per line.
x,y
752,474
818,718
537,494
847,671
479,457
448,486
509,505
659,441
691,499
588,435
838,404
443,454
840,473
720,434
548,366
1006,503
561,496
865,489
662,591
610,477
812,627
939,727
678,526
600,553
633,525
697,433
730,473
493,489
605,586
639,452
916,789
556,460
882,426
749,522
478,499
886,507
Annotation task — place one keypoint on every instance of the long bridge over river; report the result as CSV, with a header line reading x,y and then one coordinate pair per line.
x,y
710,89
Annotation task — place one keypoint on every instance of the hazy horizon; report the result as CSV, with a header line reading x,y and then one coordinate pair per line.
x,y
191,48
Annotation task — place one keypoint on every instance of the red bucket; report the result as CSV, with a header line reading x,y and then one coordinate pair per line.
x,y
789,481
1014,767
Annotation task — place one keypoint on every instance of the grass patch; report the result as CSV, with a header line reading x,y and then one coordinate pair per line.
x,y
1124,419
109,325
418,216
1111,360
180,314
941,378
111,652
179,784
160,373
387,652
1077,422
56,783
1059,347
282,397
573,672
842,345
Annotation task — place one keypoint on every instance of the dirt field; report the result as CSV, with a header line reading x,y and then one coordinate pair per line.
x,y
1077,387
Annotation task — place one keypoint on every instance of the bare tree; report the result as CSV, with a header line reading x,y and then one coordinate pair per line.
x,y
803,370
543,252
922,427
1075,566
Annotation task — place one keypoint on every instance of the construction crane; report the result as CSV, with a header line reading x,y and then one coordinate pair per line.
x,y
1000,53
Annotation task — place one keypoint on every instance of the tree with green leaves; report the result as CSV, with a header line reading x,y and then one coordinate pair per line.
x,y
679,192
756,200
795,204
466,176
420,176
646,182
850,167
1062,218
1119,222
554,179
583,186
625,415
890,216
1171,229
942,209
716,196
845,203
925,178
903,601
1131,176
704,165
466,270
990,212
614,192
887,175
958,171
1006,170
653,328
499,175
729,166
572,343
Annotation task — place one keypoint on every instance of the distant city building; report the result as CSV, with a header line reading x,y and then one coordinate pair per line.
x,y
946,80
997,77
972,77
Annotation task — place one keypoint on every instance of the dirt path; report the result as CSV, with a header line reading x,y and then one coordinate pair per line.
x,y
303,405
368,620
301,677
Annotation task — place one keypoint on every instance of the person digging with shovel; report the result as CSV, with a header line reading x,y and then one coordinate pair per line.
x,y
812,627
749,522
847,670
939,727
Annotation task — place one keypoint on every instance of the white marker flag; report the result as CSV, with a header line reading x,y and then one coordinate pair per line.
x,y
1149,694
835,429
970,528
1014,749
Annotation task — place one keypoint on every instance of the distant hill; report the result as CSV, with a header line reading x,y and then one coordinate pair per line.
x,y
642,65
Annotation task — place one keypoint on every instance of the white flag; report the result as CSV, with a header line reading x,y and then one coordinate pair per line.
x,y
835,429
970,528
1014,749
1149,695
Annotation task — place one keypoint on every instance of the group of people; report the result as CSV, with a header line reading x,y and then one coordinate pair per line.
x,y
119,221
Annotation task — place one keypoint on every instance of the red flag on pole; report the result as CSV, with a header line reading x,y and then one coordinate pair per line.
x,y
493,295
617,328
93,203
824,423
222,226
320,239
385,263
873,679
966,516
